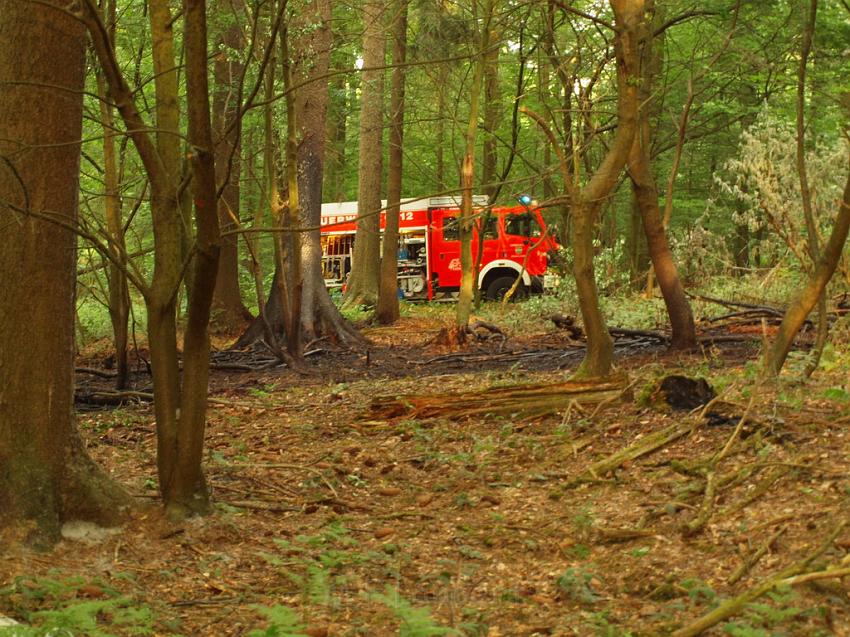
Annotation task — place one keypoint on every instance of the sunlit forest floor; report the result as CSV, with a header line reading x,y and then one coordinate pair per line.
x,y
328,521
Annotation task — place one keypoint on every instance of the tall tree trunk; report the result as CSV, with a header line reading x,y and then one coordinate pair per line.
x,y
337,119
229,311
824,265
45,474
586,201
646,195
311,60
363,284
188,493
442,117
492,111
179,404
666,273
292,212
310,52
387,311
812,235
119,293
465,221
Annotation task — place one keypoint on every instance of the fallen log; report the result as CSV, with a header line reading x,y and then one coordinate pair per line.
x,y
527,400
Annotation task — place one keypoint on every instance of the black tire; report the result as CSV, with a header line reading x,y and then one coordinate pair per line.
x,y
499,287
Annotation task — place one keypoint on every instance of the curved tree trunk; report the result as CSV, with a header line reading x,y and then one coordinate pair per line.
x,y
646,193
45,475
646,196
807,298
587,201
600,346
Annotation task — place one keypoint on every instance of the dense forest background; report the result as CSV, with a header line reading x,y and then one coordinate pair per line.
x,y
724,79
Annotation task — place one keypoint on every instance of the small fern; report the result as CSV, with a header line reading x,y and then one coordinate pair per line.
x,y
415,622
64,616
283,622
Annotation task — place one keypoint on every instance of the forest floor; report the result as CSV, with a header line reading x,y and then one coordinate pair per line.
x,y
330,521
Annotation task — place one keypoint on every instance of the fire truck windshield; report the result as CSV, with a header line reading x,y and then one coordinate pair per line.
x,y
524,225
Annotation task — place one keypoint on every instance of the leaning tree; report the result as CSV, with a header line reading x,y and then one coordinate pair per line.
x,y
586,200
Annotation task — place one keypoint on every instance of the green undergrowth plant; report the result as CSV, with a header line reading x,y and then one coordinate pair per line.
x,y
413,621
762,619
62,607
575,584
283,622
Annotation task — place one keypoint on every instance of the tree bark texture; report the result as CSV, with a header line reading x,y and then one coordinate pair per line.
x,y
45,475
337,124
229,311
179,402
363,284
646,195
119,293
310,51
467,177
187,493
387,311
587,200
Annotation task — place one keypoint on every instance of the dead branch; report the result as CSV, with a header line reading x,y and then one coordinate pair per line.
x,y
642,447
695,526
95,372
735,605
752,560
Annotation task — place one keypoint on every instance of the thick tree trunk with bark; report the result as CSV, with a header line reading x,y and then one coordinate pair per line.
x,y
311,61
45,475
363,284
229,311
336,127
310,52
387,311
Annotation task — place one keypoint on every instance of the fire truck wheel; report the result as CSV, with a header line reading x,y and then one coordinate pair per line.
x,y
499,287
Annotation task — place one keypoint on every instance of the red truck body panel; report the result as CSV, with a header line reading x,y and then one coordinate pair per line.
x,y
515,244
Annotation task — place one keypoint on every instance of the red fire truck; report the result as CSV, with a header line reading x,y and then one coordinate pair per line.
x,y
429,247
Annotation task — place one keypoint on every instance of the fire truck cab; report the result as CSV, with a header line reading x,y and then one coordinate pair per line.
x,y
516,244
